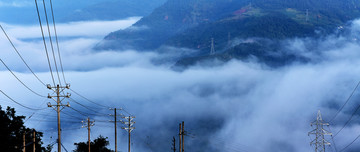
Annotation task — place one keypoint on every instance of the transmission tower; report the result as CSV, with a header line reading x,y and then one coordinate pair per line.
x,y
212,50
58,98
319,133
87,125
129,126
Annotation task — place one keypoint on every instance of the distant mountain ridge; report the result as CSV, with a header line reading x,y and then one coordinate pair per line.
x,y
114,10
193,23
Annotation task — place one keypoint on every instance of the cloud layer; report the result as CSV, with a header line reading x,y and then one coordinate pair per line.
x,y
239,106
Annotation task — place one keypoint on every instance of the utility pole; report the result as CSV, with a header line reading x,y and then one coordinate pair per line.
x,y
89,124
180,130
115,122
212,50
182,136
34,133
24,141
319,133
173,145
60,96
129,126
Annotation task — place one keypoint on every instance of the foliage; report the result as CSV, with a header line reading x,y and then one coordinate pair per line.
x,y
11,131
192,23
98,145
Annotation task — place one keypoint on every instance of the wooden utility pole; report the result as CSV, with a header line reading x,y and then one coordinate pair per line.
x,y
115,130
89,142
115,122
180,137
34,133
173,145
88,125
23,142
129,127
58,98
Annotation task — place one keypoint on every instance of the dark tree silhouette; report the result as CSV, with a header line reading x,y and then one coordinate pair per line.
x,y
98,145
11,133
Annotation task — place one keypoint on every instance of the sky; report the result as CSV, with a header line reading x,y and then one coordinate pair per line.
x,y
237,106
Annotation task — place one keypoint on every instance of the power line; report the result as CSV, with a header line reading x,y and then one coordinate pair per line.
x,y
332,139
66,121
19,103
21,57
347,122
348,99
57,41
63,129
51,42
347,146
72,115
85,106
20,80
89,99
43,37
82,113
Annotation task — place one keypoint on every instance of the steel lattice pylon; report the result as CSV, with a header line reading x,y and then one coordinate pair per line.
x,y
319,133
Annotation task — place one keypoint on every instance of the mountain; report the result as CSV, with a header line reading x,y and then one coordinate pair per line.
x,y
115,9
193,23
24,11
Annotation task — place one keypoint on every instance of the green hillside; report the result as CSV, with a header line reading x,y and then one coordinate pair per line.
x,y
193,23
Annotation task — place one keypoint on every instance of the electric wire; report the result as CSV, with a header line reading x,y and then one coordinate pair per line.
x,y
20,80
126,112
43,37
347,146
36,109
63,129
38,120
57,41
72,115
348,99
73,100
347,122
87,107
51,42
78,111
21,56
89,99
64,147
29,117
332,139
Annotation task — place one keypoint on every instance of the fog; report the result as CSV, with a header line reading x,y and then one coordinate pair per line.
x,y
238,106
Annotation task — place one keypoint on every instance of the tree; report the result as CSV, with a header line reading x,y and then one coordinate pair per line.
x,y
98,145
11,133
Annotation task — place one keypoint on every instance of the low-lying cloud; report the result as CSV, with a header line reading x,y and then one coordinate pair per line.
x,y
238,106
72,29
